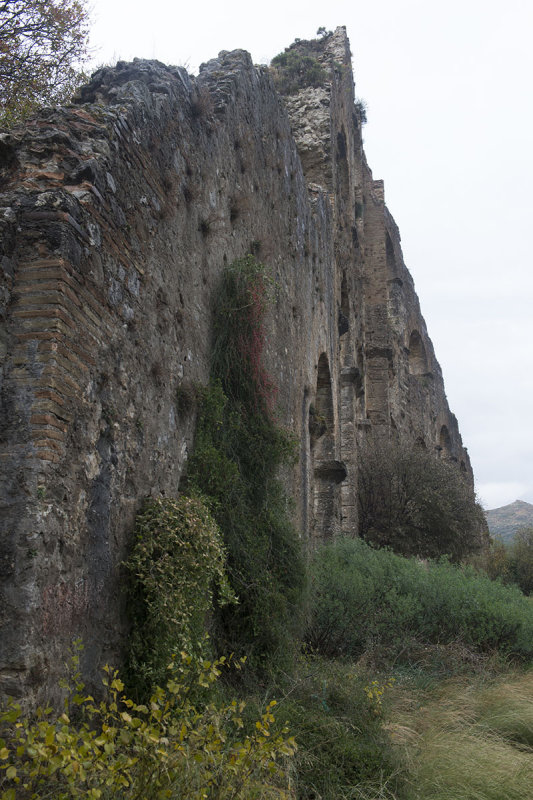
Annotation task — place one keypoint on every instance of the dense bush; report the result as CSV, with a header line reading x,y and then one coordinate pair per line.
x,y
365,599
176,564
520,559
336,718
239,450
169,748
415,503
293,70
512,562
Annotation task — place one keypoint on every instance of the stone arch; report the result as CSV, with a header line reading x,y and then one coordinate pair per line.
x,y
327,472
344,310
321,414
417,355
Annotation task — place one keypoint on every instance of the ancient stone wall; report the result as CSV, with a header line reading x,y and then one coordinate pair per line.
x,y
117,216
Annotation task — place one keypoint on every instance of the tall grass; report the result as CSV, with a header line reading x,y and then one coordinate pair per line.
x,y
468,741
335,713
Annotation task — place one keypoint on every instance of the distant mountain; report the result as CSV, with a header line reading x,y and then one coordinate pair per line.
x,y
505,521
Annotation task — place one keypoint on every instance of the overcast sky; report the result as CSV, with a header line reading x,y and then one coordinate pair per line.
x,y
450,110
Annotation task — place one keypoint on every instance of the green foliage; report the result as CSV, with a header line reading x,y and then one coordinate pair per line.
x,y
177,562
243,297
294,69
521,560
493,559
168,748
361,110
42,45
373,600
415,503
343,749
512,562
239,450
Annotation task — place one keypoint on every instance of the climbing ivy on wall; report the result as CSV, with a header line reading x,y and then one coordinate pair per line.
x,y
239,450
176,565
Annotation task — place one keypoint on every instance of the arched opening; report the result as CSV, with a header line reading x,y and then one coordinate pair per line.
x,y
417,355
344,310
327,472
321,416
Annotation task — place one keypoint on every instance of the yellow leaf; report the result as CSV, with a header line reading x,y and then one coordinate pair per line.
x,y
11,773
4,753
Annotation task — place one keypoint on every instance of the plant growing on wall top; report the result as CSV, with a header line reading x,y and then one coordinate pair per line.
x,y
294,69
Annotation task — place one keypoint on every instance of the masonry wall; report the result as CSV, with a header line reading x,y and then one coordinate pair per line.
x,y
117,217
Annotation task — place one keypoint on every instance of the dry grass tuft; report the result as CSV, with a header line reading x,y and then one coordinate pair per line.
x,y
469,740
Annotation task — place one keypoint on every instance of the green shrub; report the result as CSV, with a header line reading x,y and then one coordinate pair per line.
x,y
415,503
177,562
493,559
336,717
293,70
168,748
366,599
520,560
239,450
511,562
361,111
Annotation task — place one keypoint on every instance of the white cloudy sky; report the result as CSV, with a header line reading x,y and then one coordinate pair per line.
x,y
450,106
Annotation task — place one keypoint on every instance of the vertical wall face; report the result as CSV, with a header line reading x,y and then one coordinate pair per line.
x,y
118,216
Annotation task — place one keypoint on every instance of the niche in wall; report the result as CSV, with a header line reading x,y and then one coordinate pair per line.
x,y
418,364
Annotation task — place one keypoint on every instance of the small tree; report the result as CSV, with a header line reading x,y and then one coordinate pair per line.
x,y
43,45
521,559
415,503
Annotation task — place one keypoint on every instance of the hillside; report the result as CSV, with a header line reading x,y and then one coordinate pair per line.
x,y
504,522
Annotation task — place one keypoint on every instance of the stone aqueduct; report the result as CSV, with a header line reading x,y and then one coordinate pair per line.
x,y
118,214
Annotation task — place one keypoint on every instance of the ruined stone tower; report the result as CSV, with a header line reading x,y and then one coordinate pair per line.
x,y
117,216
